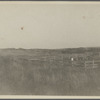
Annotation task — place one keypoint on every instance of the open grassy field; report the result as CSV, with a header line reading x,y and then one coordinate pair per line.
x,y
49,72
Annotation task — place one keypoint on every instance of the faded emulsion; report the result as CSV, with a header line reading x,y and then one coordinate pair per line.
x,y
50,49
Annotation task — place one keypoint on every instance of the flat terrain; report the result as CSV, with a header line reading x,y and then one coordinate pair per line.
x,y
49,72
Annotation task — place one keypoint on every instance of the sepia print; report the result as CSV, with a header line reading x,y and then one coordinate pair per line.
x,y
50,48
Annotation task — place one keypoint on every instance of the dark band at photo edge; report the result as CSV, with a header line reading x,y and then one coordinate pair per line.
x,y
51,0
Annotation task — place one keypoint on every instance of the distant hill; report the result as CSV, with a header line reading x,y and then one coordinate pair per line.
x,y
63,50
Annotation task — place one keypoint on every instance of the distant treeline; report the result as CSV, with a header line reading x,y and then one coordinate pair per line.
x,y
80,50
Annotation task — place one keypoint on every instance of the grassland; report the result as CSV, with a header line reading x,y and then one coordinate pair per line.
x,y
49,72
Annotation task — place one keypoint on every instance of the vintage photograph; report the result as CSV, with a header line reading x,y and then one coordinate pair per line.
x,y
50,48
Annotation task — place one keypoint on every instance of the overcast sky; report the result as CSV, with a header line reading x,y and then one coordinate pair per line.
x,y
49,25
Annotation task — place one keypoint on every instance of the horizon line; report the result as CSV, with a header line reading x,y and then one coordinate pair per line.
x,y
50,48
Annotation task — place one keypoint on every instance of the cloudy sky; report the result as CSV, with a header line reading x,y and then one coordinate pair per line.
x,y
49,25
